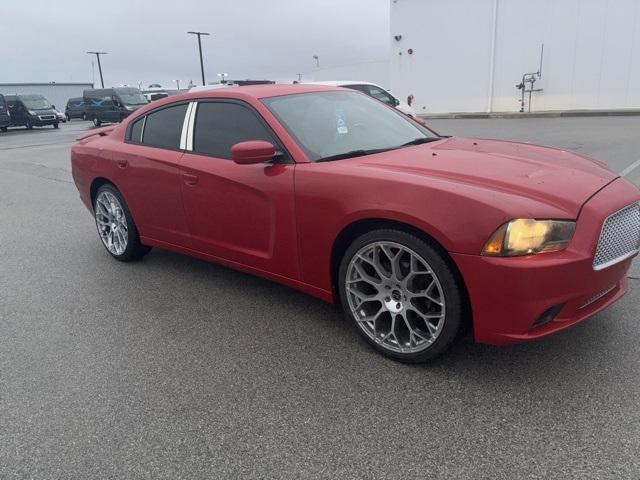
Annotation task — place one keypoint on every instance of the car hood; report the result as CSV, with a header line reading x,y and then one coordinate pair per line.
x,y
562,179
406,109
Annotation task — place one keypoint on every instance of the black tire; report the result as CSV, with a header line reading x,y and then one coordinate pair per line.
x,y
96,121
29,125
68,117
452,290
84,116
56,125
4,129
134,250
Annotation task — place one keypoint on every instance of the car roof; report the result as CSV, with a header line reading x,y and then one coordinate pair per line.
x,y
341,83
258,91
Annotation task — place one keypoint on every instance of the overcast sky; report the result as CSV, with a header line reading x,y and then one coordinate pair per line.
x,y
45,40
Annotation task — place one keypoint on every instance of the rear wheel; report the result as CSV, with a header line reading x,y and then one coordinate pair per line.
x,y
96,121
116,227
400,295
56,125
4,129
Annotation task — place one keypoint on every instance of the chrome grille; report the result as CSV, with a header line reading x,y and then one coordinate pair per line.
x,y
619,238
597,297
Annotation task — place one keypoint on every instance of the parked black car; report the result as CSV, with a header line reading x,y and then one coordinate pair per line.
x,y
5,119
111,104
75,109
31,111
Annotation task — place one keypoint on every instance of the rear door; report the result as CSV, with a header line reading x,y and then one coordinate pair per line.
x,y
17,111
241,213
150,177
4,113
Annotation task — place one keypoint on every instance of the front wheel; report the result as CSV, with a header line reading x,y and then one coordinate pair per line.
x,y
401,295
116,227
55,125
4,129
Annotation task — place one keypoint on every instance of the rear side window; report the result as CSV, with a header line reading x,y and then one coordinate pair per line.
x,y
220,125
163,127
135,131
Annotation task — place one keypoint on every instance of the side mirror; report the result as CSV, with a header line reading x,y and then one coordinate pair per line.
x,y
253,151
396,102
53,106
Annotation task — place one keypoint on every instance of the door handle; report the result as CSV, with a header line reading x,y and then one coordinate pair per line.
x,y
190,179
121,162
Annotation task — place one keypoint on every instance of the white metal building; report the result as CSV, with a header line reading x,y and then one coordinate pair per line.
x,y
56,93
468,55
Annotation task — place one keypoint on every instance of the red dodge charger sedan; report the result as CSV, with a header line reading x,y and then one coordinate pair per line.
x,y
331,192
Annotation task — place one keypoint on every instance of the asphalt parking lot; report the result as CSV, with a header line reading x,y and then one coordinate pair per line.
x,y
176,368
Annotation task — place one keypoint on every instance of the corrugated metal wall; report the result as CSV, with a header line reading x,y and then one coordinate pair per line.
x,y
56,93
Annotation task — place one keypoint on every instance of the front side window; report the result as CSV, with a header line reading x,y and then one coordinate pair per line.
x,y
220,125
382,95
164,127
346,124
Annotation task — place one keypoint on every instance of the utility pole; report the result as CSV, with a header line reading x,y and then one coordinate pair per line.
x,y
199,34
97,54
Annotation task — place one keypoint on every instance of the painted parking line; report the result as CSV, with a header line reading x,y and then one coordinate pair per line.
x,y
630,168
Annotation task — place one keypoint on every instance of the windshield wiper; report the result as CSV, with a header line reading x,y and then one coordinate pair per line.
x,y
351,154
421,140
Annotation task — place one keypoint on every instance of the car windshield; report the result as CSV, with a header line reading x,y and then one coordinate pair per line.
x,y
132,98
333,125
35,102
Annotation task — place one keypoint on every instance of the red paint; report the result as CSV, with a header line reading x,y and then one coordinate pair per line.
x,y
253,151
281,221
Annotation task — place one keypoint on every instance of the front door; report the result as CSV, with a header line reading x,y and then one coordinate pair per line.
x,y
240,213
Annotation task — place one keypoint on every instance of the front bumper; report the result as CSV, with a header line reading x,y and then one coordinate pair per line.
x,y
508,295
42,120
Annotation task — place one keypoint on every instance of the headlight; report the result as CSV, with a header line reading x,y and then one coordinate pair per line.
x,y
526,236
31,112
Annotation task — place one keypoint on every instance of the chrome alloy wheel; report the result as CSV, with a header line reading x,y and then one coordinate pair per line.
x,y
395,297
112,223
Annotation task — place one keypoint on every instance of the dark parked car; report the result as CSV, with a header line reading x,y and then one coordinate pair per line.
x,y
75,109
5,119
31,111
111,104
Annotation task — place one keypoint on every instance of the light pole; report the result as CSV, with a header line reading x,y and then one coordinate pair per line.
x,y
97,54
315,57
199,34
222,77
